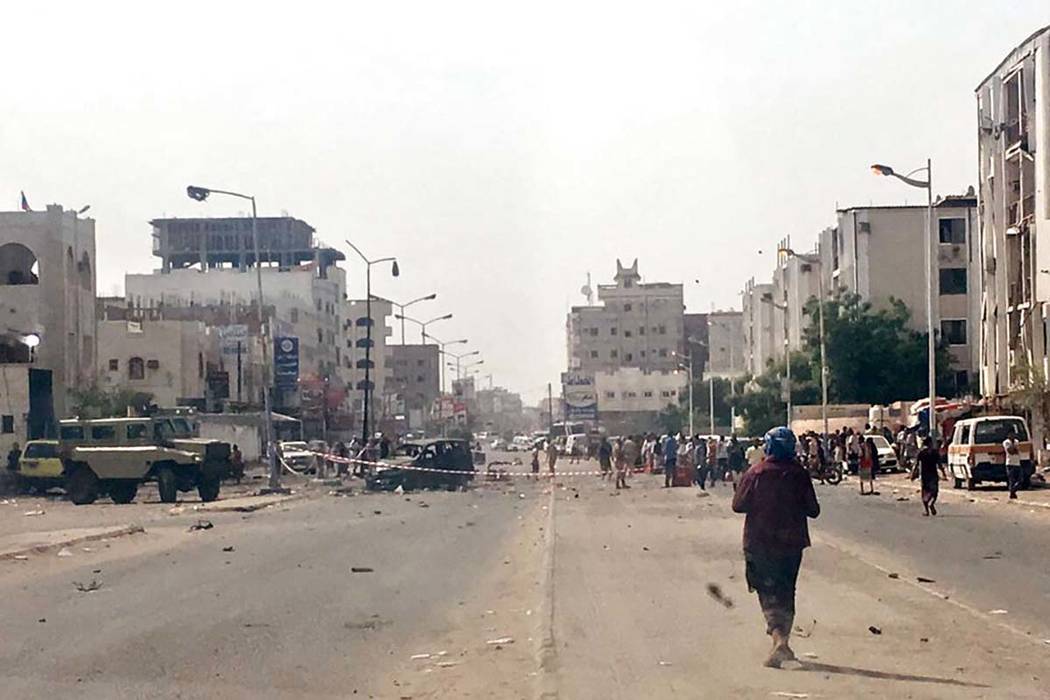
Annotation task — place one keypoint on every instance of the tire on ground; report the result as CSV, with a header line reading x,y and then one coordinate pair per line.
x,y
123,491
167,484
208,488
82,485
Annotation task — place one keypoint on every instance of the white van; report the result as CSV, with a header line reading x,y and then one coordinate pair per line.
x,y
976,452
576,444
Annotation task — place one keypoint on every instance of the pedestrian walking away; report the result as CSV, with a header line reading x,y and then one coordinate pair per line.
x,y
866,468
670,460
536,461
776,497
605,451
1013,463
628,457
552,456
928,469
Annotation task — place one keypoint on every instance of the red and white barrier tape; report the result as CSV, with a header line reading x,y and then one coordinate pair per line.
x,y
483,471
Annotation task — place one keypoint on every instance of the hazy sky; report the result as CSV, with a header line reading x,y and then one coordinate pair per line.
x,y
501,150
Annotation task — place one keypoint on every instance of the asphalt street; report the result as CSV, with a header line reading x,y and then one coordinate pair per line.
x,y
523,589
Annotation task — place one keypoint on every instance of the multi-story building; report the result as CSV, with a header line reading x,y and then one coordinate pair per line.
x,y
725,333
878,253
499,411
761,344
1013,138
636,325
796,281
694,331
413,380
631,399
357,356
48,334
211,262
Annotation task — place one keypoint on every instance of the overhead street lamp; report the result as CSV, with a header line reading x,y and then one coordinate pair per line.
x,y
927,185
459,357
422,324
402,307
815,260
269,437
395,271
441,351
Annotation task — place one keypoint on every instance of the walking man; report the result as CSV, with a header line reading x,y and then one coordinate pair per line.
x,y
1013,463
670,460
605,457
552,456
926,470
629,455
777,496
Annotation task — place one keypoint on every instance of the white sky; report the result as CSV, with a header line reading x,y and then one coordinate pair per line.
x,y
500,150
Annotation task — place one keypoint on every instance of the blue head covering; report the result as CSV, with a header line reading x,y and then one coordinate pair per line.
x,y
780,443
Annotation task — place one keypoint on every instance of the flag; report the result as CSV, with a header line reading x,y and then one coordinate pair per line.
x,y
25,203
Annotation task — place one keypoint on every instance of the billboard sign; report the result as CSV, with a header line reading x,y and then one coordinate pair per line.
x,y
286,362
581,398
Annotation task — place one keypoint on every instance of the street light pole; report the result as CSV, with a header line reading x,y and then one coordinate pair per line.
x,y
815,260
688,357
787,351
367,407
269,438
931,260
404,306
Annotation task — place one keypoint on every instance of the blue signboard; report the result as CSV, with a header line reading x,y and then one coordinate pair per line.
x,y
286,362
581,399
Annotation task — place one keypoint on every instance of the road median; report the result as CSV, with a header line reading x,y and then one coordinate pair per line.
x,y
26,543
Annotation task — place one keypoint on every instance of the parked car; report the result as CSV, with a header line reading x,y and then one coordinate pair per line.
x,y
498,444
297,455
442,463
40,466
520,443
887,455
976,451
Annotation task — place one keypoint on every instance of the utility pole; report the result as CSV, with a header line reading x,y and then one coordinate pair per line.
x,y
550,410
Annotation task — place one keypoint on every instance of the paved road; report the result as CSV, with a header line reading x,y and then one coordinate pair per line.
x,y
610,603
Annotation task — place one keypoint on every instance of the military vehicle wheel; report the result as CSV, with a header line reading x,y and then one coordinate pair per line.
x,y
208,488
958,484
123,491
167,484
82,485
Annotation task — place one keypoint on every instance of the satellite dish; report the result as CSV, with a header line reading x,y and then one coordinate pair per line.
x,y
586,290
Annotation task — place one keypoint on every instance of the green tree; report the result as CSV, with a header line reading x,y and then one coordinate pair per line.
x,y
760,402
95,402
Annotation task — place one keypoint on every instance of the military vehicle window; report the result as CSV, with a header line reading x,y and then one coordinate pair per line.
x,y
162,430
136,431
37,450
182,427
71,432
103,432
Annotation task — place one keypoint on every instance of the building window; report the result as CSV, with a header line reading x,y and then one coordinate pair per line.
x,y
136,368
648,394
320,336
114,365
628,357
294,315
614,354
7,424
952,231
420,378
318,304
665,394
663,352
627,334
954,332
641,330
612,331
953,280
663,330
594,354
594,332
962,380
630,395
152,364
626,307
610,394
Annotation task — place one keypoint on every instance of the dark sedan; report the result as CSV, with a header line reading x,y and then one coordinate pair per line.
x,y
425,464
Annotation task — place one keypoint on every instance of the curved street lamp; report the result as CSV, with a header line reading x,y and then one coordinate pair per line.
x,y
402,307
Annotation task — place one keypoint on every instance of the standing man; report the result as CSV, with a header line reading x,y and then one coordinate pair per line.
x,y
777,496
1013,463
13,456
700,460
536,448
670,460
605,456
552,456
630,456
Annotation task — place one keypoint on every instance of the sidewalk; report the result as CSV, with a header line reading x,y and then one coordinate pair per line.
x,y
21,544
1036,497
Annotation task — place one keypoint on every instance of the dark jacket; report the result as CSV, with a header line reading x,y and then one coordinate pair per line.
x,y
777,497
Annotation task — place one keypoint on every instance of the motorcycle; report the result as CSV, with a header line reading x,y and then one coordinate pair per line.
x,y
830,472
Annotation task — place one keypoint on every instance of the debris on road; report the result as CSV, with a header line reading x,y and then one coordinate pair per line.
x,y
874,630
501,640
31,513
94,585
201,525
803,633
361,569
924,639
810,655
447,664
228,549
715,591
895,575
424,505
993,555
923,579
786,694
664,663
177,510
64,552
997,611
400,490
419,657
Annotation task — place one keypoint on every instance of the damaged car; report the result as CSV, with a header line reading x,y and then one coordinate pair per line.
x,y
425,464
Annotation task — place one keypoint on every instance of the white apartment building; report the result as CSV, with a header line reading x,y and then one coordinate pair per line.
x,y
630,398
760,341
725,338
878,253
355,343
48,335
1013,137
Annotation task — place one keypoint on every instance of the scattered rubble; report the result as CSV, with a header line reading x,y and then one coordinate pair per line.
x,y
361,569
500,641
201,525
64,552
874,630
94,585
923,579
31,513
228,549
715,591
